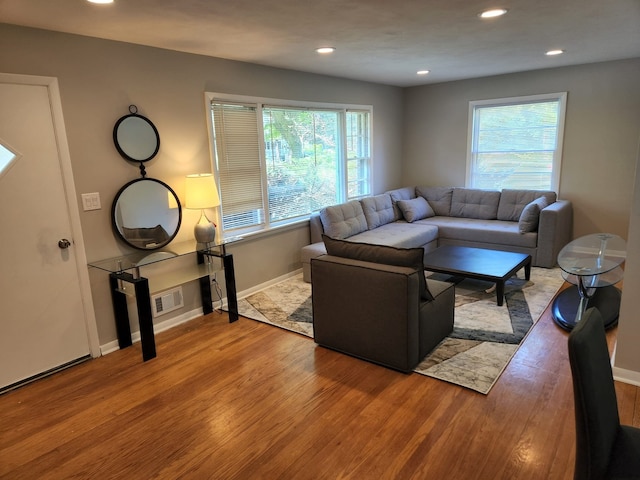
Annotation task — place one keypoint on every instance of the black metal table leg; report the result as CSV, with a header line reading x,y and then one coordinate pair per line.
x,y
230,283
119,300
145,318
205,287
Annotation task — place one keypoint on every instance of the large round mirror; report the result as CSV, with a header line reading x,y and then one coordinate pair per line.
x,y
146,214
135,137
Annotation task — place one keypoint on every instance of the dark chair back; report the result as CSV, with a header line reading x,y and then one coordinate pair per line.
x,y
596,407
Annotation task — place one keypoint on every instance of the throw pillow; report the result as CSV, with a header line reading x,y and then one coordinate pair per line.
x,y
400,257
438,197
415,209
406,193
513,201
531,215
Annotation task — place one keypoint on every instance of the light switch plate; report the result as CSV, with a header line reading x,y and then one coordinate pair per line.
x,y
91,201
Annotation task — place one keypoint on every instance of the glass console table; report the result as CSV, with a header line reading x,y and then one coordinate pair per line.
x,y
126,278
593,265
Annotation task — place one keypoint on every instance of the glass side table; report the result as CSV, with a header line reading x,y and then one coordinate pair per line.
x,y
126,278
593,265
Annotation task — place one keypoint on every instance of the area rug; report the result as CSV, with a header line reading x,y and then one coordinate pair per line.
x,y
485,336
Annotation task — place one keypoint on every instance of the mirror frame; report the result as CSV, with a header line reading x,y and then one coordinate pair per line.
x,y
122,149
120,235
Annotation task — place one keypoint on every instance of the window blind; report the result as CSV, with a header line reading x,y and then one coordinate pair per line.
x,y
237,150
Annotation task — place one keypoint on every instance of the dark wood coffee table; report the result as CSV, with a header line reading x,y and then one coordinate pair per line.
x,y
479,263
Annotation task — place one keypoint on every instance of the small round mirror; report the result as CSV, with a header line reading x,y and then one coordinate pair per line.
x,y
136,137
146,214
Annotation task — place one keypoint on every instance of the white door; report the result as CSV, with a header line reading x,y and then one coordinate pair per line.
x,y
44,316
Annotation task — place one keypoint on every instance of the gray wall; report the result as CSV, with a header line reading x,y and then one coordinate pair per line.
x,y
98,81
627,358
600,138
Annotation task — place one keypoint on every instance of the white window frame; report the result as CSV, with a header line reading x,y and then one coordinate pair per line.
x,y
274,102
560,97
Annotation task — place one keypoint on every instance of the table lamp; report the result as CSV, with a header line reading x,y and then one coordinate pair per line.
x,y
201,192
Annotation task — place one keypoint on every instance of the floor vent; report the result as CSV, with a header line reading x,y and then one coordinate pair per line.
x,y
166,302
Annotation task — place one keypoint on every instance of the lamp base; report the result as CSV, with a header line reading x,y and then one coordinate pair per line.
x,y
205,230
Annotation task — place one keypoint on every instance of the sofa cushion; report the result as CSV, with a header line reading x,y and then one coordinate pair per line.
x,y
467,231
512,202
438,197
530,216
344,220
415,209
475,203
384,254
406,193
399,234
378,210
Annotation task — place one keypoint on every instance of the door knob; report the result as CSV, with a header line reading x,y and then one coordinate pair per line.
x,y
64,243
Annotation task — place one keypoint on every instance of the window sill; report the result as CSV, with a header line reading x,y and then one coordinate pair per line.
x,y
259,234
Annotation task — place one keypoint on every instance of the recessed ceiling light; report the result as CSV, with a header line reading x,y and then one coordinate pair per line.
x,y
496,12
325,50
100,1
422,72
554,52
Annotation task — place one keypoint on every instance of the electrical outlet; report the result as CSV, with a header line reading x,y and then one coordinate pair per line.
x,y
91,201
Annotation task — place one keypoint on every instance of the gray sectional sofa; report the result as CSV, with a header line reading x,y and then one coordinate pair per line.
x,y
526,221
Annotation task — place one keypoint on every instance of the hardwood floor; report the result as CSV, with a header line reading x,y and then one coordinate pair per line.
x,y
248,400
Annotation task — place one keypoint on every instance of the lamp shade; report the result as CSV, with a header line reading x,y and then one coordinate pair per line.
x,y
201,191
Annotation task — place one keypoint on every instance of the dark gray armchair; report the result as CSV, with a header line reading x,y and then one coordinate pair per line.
x,y
604,448
386,314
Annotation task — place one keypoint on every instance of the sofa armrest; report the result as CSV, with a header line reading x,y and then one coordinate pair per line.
x,y
555,230
367,310
315,227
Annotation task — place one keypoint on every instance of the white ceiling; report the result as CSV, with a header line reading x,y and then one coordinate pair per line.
x,y
383,41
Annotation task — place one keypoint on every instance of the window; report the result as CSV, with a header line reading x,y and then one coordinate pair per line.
x,y
516,142
7,157
277,162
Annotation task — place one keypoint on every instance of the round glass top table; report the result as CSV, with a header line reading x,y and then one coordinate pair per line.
x,y
593,264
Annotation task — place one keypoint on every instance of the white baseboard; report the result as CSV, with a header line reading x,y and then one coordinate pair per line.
x,y
112,346
626,376
262,286
622,375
